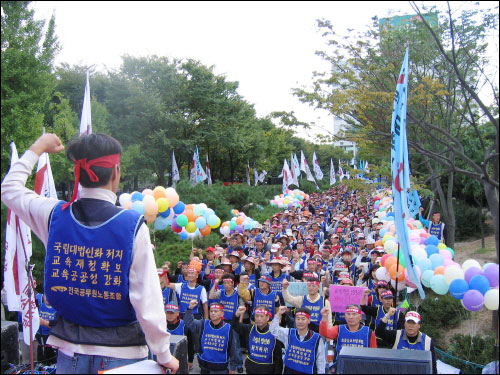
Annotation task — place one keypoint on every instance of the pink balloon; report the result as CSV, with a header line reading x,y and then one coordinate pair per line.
x,y
445,254
448,263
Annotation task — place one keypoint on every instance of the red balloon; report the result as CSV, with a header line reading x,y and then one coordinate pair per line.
x,y
384,258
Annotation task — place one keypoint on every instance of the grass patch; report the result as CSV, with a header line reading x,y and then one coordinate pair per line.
x,y
484,250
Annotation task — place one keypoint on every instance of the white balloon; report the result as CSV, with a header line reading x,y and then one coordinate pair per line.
x,y
470,263
125,197
491,299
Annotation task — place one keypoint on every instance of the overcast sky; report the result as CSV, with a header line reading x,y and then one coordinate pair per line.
x,y
268,47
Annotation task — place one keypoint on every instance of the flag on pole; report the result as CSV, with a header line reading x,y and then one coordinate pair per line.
x,y
44,182
317,170
293,171
400,170
209,176
367,170
197,173
414,203
262,176
333,180
341,172
303,163
248,174
86,119
16,281
287,176
296,165
175,171
255,176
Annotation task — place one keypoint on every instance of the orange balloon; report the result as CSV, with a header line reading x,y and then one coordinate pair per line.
x,y
399,274
389,262
439,270
150,218
240,220
224,224
205,231
190,214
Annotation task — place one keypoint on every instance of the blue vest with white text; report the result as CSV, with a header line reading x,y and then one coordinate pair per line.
x,y
315,308
47,313
87,268
261,346
406,345
360,338
277,283
392,322
230,303
268,300
436,230
214,343
188,294
301,355
179,330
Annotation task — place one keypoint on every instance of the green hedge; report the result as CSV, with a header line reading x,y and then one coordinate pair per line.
x,y
476,349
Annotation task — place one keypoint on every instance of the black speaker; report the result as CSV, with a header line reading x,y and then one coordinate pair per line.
x,y
10,344
179,349
354,360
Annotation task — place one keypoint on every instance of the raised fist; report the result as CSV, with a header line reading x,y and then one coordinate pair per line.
x,y
241,310
285,284
282,310
192,304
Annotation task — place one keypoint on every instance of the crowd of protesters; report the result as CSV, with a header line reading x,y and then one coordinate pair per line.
x,y
234,296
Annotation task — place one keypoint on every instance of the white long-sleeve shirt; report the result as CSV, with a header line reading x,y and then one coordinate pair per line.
x,y
144,285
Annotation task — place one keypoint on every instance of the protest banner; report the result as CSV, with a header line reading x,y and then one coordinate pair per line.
x,y
341,296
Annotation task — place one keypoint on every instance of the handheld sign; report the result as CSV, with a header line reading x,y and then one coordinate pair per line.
x,y
341,296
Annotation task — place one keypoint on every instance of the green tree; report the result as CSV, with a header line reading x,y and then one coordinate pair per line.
x,y
26,75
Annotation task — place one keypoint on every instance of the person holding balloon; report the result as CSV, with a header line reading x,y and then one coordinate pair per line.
x,y
407,338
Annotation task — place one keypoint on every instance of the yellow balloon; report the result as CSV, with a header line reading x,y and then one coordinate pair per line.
x,y
441,246
163,204
191,227
216,225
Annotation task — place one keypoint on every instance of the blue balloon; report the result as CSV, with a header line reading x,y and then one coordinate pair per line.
x,y
480,283
390,214
436,260
458,288
137,196
138,207
390,218
183,236
424,264
160,223
431,249
179,208
200,222
165,213
426,278
383,231
432,240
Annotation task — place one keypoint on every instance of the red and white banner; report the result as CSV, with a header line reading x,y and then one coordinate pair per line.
x,y
17,255
44,182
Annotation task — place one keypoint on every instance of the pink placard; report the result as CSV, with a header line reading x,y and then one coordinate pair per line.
x,y
341,296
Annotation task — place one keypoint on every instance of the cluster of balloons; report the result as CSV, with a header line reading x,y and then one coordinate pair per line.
x,y
239,222
291,198
163,208
434,265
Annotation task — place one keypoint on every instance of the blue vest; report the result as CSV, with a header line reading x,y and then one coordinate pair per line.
x,y
277,283
315,308
215,343
360,338
179,330
252,280
47,313
340,318
166,296
301,355
261,346
404,344
392,322
230,303
436,229
87,268
188,294
180,279
268,300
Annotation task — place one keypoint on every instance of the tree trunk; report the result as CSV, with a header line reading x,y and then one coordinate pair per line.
x,y
161,177
136,183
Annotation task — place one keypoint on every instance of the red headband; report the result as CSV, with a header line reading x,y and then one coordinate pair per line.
x,y
353,310
303,313
265,312
216,306
228,279
313,282
107,161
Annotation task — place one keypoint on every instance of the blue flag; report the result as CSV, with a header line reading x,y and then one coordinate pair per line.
x,y
400,170
414,203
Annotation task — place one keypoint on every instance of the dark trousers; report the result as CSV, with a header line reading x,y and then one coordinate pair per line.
x,y
256,368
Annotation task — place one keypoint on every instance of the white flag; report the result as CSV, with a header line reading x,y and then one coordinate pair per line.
x,y
44,182
367,170
333,180
209,176
192,170
296,165
86,119
197,172
175,171
262,176
293,170
248,175
317,170
17,254
287,176
303,163
341,172
255,176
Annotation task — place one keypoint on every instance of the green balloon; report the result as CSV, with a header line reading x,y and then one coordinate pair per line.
x,y
232,225
182,220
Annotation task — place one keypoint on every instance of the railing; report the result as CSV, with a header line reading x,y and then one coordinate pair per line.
x,y
446,357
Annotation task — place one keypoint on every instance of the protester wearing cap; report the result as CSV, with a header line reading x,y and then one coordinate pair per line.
x,y
314,300
353,333
215,340
252,271
209,261
300,340
263,295
409,338
277,275
377,313
175,325
264,351
234,258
